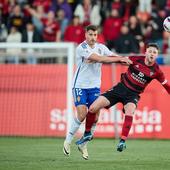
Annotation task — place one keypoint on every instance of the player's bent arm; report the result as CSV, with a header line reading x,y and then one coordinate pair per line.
x,y
166,85
108,59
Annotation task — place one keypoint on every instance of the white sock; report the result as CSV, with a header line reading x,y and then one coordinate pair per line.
x,y
73,129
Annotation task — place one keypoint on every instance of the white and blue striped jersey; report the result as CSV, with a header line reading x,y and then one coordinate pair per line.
x,y
88,75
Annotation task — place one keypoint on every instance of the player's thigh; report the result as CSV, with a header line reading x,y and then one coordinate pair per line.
x,y
130,102
80,96
98,104
80,101
93,94
129,108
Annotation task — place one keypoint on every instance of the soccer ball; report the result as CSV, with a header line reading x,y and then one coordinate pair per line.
x,y
166,24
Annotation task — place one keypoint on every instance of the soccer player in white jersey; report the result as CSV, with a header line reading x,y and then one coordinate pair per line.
x,y
87,81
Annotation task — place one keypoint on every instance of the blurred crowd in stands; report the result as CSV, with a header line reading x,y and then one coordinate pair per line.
x,y
125,26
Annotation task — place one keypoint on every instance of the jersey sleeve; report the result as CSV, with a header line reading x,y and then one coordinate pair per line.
x,y
167,87
107,52
83,52
133,58
161,77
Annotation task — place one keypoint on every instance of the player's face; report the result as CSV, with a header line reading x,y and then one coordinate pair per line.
x,y
91,37
151,54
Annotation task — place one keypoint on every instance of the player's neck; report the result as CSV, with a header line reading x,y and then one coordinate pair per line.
x,y
91,45
148,63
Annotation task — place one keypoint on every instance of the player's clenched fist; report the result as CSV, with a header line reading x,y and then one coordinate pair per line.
x,y
125,60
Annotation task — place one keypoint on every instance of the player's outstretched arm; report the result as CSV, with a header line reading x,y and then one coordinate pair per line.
x,y
125,61
167,87
109,59
161,78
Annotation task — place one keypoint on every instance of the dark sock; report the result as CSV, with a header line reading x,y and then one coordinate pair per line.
x,y
90,119
126,126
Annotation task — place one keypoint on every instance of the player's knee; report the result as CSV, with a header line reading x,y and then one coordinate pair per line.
x,y
130,109
129,113
92,109
81,117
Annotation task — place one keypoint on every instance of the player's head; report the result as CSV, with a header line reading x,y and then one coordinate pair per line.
x,y
91,34
152,50
154,45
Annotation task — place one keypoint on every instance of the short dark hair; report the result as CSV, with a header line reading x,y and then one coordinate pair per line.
x,y
91,27
76,16
152,45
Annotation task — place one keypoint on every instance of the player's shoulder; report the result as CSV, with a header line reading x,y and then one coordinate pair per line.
x,y
102,48
156,67
137,58
82,45
101,45
158,71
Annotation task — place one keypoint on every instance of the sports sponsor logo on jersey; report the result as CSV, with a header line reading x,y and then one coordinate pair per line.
x,y
141,74
136,100
151,73
87,51
138,77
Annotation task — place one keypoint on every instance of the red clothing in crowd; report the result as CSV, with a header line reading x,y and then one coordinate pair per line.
x,y
117,5
168,4
111,28
45,3
50,30
127,10
74,34
4,5
101,38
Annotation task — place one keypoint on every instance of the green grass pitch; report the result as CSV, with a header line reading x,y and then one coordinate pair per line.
x,y
46,154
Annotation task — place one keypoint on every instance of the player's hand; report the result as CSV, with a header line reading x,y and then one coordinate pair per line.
x,y
125,61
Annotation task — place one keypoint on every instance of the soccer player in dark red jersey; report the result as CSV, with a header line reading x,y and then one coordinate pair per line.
x,y
133,82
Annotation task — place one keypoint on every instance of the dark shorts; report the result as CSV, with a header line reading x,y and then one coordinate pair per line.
x,y
120,93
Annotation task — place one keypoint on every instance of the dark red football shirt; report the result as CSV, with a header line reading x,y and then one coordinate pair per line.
x,y
139,75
